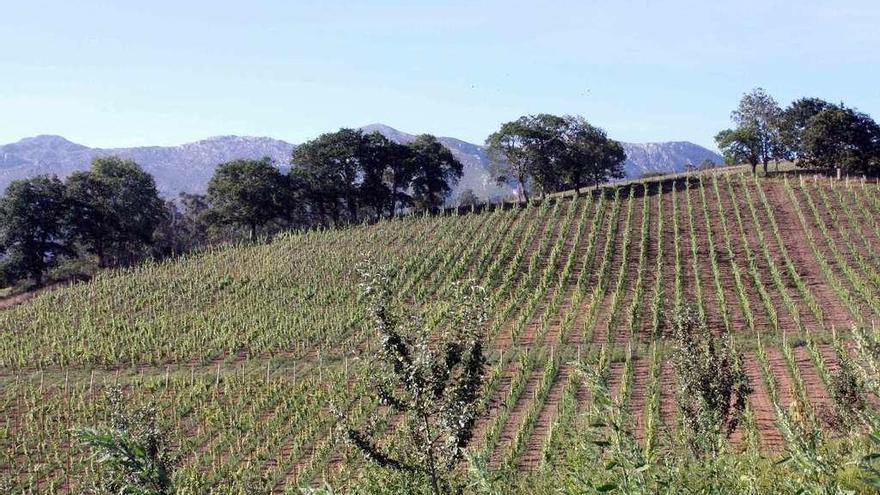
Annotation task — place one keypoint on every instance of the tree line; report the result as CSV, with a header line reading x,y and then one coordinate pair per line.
x,y
113,214
811,132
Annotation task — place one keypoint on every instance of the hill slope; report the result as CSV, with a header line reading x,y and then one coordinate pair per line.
x,y
266,337
188,167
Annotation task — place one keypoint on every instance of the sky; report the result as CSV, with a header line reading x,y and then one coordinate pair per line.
x,y
129,73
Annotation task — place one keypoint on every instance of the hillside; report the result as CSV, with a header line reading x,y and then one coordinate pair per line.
x,y
188,167
246,347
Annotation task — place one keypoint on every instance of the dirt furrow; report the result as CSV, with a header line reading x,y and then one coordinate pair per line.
x,y
532,454
508,433
762,408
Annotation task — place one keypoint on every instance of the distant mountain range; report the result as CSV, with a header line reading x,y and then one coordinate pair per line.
x,y
188,167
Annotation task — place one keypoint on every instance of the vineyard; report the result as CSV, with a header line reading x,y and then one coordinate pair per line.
x,y
246,348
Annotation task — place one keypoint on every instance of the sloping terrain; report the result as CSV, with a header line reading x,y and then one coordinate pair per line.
x,y
246,348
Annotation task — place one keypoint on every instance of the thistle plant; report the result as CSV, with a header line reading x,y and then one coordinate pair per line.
x,y
433,379
132,452
712,387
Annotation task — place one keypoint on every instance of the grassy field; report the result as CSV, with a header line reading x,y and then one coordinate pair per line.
x,y
245,348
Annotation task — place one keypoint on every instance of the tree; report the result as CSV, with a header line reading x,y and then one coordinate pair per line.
x,y
740,145
757,120
528,149
842,137
554,153
468,198
433,380
184,227
435,170
350,174
133,451
385,172
589,156
546,150
793,124
33,234
508,152
331,166
247,193
114,209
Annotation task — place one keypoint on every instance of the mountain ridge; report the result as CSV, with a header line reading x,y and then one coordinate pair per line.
x,y
188,167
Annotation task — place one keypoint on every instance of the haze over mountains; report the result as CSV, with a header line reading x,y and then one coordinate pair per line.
x,y
189,167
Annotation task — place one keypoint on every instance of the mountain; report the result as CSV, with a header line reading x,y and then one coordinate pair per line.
x,y
188,167
668,157
184,168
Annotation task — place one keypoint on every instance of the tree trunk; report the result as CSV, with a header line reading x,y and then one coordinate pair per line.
x,y
522,190
102,260
765,167
754,169
432,470
352,211
253,232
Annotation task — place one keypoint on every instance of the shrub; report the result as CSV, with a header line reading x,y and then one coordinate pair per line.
x,y
712,387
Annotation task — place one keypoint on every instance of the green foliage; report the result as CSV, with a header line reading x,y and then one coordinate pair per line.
x,y
794,121
588,155
114,209
740,145
131,451
712,387
435,170
842,137
525,149
33,235
433,380
757,137
247,193
349,175
553,153
758,111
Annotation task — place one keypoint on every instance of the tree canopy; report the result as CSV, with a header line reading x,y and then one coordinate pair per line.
x,y
756,137
350,175
740,145
247,193
434,171
113,209
33,235
553,153
842,137
793,124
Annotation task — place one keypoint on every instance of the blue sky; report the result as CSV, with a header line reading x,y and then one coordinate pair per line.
x,y
129,73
